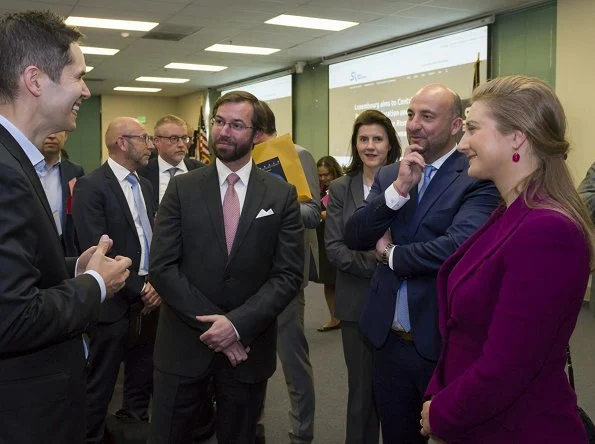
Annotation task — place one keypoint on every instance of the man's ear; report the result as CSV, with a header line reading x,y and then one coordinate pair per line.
x,y
32,78
456,126
258,137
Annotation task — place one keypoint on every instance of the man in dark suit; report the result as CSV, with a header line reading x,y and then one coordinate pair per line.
x,y
171,142
227,258
58,178
292,345
43,310
113,200
416,215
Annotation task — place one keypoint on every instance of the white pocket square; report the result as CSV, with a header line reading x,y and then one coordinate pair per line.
x,y
263,213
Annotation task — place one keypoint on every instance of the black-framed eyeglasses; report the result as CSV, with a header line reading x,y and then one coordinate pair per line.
x,y
174,139
144,137
234,125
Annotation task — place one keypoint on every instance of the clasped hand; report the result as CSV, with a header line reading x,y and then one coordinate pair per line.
x,y
221,337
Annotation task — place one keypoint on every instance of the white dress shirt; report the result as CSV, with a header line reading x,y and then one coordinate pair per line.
x,y
121,174
164,176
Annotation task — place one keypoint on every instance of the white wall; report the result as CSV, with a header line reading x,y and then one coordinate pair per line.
x,y
575,74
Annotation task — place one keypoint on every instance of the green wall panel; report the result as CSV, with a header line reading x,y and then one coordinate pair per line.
x,y
84,144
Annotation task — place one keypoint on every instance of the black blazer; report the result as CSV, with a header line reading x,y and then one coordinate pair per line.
x,y
151,172
42,313
194,275
454,206
100,207
354,268
68,171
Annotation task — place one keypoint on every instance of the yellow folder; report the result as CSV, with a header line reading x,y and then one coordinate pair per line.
x,y
279,157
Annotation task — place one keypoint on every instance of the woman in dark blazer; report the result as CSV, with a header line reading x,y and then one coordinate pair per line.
x,y
510,296
374,143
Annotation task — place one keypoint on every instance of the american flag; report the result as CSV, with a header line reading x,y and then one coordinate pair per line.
x,y
202,144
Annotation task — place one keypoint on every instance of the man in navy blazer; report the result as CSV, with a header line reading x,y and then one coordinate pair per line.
x,y
57,185
105,201
416,215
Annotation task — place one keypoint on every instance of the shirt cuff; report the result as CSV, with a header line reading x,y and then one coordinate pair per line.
x,y
390,257
393,199
100,281
234,329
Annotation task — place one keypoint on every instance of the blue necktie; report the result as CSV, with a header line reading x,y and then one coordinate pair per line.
x,y
142,214
401,318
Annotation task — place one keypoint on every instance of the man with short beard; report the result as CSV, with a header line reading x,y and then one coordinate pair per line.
x,y
57,179
227,257
418,212
114,200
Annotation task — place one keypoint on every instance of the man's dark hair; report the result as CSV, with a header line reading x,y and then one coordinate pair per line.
x,y
258,117
270,126
33,38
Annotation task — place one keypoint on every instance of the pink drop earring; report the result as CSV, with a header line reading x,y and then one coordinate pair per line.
x,y
516,157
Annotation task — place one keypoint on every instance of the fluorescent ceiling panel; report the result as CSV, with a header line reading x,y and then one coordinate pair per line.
x,y
161,80
193,67
298,21
99,51
124,25
237,49
136,89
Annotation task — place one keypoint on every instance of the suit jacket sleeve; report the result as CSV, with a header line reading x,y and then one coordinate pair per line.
x,y
310,210
587,190
359,263
534,302
91,223
34,317
285,277
370,222
165,273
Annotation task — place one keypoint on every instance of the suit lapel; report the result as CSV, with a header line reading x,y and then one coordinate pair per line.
x,y
65,173
511,218
147,196
444,177
17,152
252,205
356,190
212,193
114,185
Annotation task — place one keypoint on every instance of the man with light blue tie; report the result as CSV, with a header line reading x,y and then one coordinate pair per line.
x,y
114,200
418,212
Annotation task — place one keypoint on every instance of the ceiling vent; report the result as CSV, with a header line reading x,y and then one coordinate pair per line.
x,y
171,33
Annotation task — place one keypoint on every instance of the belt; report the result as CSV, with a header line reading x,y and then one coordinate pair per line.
x,y
404,335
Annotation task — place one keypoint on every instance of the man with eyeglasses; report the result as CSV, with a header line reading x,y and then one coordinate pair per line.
x,y
171,141
227,258
114,200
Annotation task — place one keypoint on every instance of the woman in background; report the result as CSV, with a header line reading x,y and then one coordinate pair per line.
x,y
328,170
374,143
510,296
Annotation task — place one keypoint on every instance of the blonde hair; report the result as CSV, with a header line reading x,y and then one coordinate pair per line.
x,y
170,118
529,105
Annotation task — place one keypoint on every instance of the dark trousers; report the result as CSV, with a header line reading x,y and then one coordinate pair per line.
x,y
362,417
106,351
176,400
401,376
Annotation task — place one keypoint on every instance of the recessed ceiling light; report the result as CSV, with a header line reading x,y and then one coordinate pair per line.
x,y
125,25
193,67
161,79
89,68
298,21
99,51
135,89
242,49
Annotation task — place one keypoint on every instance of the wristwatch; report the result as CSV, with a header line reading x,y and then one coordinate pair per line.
x,y
386,253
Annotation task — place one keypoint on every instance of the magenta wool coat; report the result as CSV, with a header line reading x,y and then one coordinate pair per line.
x,y
508,301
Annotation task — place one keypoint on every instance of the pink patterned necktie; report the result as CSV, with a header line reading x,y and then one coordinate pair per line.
x,y
231,210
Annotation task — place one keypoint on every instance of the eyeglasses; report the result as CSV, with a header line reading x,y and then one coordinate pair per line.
x,y
174,139
234,125
144,137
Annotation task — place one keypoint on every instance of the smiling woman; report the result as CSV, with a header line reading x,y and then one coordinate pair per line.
x,y
516,287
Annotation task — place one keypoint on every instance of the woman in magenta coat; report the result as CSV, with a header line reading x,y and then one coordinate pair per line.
x,y
510,296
